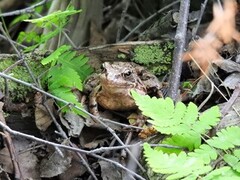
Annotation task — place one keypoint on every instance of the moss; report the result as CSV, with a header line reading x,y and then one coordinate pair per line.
x,y
18,92
157,58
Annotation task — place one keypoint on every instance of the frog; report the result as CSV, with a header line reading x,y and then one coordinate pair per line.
x,y
111,88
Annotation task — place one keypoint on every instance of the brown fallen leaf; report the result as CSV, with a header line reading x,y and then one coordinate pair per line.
x,y
203,51
221,30
223,24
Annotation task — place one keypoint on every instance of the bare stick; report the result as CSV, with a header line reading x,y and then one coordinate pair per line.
x,y
81,109
16,133
24,11
10,146
203,7
148,19
120,25
178,51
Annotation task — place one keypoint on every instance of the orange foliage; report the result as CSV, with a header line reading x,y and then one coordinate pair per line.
x,y
221,30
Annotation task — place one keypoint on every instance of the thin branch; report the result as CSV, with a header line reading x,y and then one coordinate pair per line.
x,y
203,7
9,143
120,25
98,119
63,134
148,19
16,133
16,43
178,51
9,40
25,10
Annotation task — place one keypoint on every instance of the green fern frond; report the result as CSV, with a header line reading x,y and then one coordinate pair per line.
x,y
233,160
178,119
29,37
82,68
57,18
41,39
207,120
63,76
176,166
53,58
222,173
226,138
182,141
67,95
204,152
186,125
66,74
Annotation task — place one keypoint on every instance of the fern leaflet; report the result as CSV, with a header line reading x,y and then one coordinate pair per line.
x,y
180,119
179,166
66,74
55,55
226,138
185,127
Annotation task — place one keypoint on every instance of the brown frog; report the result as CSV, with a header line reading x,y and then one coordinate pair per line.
x,y
111,88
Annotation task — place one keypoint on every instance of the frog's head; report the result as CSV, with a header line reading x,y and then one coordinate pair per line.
x,y
120,75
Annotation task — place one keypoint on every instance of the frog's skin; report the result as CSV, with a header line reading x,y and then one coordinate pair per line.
x,y
113,85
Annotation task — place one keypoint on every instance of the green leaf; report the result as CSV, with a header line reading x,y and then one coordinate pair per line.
x,y
67,95
184,141
176,166
222,173
57,18
226,138
178,119
233,159
55,55
29,37
204,152
63,76
20,19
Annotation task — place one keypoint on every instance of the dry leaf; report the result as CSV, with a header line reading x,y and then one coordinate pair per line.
x,y
221,30
204,51
223,24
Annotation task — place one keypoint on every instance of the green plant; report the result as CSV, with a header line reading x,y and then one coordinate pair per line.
x,y
66,74
186,128
54,23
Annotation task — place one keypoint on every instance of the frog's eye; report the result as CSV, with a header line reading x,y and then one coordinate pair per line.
x,y
127,73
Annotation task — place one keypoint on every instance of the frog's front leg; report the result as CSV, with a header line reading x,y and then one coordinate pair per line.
x,y
93,105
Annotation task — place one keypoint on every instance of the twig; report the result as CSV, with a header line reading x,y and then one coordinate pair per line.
x,y
16,133
25,10
63,134
148,19
9,40
207,98
120,25
16,43
178,51
81,109
203,7
231,101
63,31
206,76
8,140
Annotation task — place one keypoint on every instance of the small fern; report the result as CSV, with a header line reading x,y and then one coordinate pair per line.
x,y
53,22
185,126
66,74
